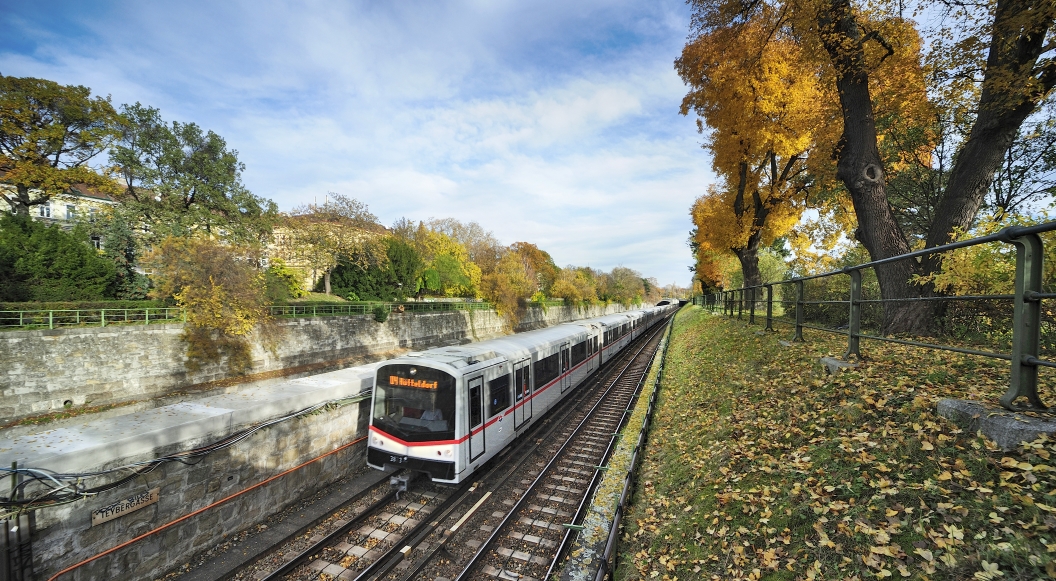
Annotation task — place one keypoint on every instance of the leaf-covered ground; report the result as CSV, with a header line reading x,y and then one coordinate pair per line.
x,y
762,466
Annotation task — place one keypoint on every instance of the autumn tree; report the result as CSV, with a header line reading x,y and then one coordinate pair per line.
x,y
759,112
998,65
483,248
448,269
179,179
221,290
48,135
575,285
319,237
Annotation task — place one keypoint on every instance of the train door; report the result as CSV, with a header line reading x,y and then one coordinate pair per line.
x,y
566,377
522,387
592,352
476,417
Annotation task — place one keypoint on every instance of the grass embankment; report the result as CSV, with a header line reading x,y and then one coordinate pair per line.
x,y
761,466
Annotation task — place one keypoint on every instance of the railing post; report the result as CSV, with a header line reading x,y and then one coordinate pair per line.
x,y
146,316
854,322
799,311
102,317
769,307
751,306
1026,325
51,319
740,302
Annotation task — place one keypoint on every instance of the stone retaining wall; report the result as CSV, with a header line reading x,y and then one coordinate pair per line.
x,y
46,370
63,536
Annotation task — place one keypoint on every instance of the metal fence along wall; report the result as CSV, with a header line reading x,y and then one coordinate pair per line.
x,y
1025,327
52,319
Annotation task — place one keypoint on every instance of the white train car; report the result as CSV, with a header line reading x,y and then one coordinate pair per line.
x,y
446,411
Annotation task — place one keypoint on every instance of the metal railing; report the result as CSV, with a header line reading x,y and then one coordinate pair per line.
x,y
366,308
57,318
1024,356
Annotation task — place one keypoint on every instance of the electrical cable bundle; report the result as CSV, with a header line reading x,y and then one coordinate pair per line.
x,y
36,488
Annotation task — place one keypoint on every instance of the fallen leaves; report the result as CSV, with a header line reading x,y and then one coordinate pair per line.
x,y
759,464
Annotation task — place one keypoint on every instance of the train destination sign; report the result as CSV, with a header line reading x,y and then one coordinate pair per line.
x,y
123,507
407,382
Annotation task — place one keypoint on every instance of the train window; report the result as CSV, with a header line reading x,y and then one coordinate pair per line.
x,y
499,390
476,410
520,386
546,370
414,403
579,353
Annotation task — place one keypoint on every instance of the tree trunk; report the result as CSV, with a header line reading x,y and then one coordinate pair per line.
x,y
860,168
1004,103
326,281
749,259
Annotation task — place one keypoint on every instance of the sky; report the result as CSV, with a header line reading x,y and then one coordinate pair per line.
x,y
550,122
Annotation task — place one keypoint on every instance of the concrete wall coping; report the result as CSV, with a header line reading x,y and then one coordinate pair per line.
x,y
96,443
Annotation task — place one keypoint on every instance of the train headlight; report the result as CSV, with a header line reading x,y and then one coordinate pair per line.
x,y
447,453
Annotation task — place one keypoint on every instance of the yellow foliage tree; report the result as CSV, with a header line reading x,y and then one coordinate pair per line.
x,y
760,112
448,268
222,292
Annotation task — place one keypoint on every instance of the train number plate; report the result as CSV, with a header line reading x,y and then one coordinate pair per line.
x,y
397,460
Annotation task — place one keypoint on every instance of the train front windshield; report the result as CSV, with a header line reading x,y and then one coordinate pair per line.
x,y
415,404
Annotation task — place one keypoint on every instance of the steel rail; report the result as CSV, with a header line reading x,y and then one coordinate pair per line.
x,y
328,539
528,445
598,474
499,528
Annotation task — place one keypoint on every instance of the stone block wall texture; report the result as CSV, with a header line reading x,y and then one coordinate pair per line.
x,y
42,370
63,536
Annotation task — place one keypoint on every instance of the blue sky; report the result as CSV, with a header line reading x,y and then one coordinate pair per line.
x,y
554,123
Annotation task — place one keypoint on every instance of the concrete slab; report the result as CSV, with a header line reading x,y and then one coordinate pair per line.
x,y
96,442
833,365
1006,428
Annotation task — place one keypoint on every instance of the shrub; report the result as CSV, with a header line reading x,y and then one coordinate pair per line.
x,y
381,313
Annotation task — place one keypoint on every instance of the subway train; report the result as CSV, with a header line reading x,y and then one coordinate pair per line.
x,y
448,410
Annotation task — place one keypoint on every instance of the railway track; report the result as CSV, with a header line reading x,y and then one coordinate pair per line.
x,y
512,522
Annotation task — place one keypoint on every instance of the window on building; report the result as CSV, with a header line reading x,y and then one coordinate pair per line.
x,y
97,242
45,210
71,211
91,215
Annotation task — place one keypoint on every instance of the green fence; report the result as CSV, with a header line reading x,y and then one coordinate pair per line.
x,y
53,319
1028,330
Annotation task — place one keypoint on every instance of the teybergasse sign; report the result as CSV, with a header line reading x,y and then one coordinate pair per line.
x,y
123,507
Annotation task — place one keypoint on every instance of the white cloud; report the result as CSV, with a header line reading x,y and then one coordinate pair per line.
x,y
554,123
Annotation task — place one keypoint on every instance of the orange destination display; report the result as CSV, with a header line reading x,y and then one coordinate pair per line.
x,y
406,382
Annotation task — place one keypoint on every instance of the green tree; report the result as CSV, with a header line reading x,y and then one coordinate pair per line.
x,y
179,179
282,282
320,237
48,134
120,247
42,263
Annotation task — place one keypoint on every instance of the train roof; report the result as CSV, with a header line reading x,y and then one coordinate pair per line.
x,y
515,347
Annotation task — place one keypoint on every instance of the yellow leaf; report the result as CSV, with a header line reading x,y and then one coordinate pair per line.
x,y
944,476
926,445
925,554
